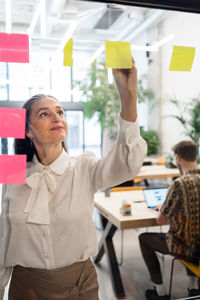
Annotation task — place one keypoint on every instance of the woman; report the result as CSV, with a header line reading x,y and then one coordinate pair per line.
x,y
47,234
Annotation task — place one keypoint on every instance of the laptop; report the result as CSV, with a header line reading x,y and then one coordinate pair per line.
x,y
155,196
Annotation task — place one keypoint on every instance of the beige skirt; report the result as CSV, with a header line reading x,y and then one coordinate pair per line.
x,y
74,282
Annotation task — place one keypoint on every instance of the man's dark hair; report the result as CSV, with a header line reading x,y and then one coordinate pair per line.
x,y
187,150
25,146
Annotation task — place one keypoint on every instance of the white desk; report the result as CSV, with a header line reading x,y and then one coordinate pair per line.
x,y
112,220
153,172
109,207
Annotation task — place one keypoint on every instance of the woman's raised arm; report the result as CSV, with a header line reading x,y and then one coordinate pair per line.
x,y
126,81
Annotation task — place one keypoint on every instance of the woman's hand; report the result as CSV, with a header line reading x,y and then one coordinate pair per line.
x,y
126,81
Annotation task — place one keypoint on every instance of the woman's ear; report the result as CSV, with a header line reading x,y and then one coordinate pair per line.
x,y
28,134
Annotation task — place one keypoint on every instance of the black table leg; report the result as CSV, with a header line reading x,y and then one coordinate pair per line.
x,y
101,250
106,246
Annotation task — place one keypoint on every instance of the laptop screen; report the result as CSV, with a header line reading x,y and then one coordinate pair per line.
x,y
154,196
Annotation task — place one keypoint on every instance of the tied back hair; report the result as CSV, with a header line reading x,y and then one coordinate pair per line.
x,y
26,146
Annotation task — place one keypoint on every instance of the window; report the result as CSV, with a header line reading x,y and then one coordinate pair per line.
x,y
82,135
4,93
75,139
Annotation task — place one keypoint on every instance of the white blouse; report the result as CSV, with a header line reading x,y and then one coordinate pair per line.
x,y
47,222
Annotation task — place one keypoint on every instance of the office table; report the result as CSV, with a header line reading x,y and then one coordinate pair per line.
x,y
109,209
153,172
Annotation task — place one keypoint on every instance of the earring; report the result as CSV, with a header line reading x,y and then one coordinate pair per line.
x,y
31,141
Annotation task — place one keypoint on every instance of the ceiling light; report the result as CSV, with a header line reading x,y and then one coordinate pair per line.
x,y
144,48
154,47
8,16
39,11
164,40
34,20
101,49
96,54
68,35
43,18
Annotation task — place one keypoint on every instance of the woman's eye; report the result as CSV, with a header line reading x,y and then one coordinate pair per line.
x,y
44,114
61,113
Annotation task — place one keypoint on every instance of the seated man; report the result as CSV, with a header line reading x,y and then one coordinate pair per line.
x,y
182,209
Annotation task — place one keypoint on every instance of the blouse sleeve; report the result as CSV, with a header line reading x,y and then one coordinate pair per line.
x,y
5,272
123,161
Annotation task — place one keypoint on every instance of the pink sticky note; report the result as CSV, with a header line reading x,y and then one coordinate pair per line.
x,y
14,47
12,122
12,169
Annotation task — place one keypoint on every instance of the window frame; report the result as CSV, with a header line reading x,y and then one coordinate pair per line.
x,y
178,5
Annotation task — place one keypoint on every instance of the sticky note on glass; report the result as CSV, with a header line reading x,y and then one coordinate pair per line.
x,y
182,58
118,55
14,47
12,122
68,53
12,169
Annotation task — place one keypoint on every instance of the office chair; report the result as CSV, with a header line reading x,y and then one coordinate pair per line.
x,y
194,268
127,188
123,189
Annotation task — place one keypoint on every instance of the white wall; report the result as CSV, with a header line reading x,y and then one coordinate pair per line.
x,y
167,84
142,67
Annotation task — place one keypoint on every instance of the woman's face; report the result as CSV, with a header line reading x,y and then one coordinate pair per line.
x,y
47,122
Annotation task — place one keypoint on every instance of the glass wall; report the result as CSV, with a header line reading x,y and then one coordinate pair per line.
x,y
152,33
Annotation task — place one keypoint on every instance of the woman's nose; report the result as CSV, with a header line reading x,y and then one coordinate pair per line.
x,y
55,117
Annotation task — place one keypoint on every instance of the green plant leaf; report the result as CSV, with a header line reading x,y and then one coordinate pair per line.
x,y
104,99
191,124
152,140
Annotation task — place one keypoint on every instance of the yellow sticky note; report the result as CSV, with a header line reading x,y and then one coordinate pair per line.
x,y
182,58
118,55
68,53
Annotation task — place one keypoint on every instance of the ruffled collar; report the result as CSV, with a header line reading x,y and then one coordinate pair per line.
x,y
42,182
58,166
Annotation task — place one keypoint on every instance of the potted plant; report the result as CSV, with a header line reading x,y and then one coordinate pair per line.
x,y
103,99
169,161
152,140
191,124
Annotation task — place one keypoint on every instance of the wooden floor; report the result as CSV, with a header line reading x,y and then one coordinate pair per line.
x,y
133,270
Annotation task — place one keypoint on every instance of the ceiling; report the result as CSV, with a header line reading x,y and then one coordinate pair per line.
x,y
89,23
